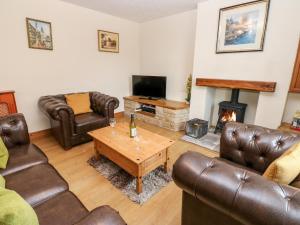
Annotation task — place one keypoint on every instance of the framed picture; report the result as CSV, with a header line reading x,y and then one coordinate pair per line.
x,y
242,27
108,41
39,34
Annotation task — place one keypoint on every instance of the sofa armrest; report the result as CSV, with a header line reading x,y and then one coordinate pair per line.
x,y
103,215
52,106
104,104
243,195
14,130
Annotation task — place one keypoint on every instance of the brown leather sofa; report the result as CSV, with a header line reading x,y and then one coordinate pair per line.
x,y
70,129
29,174
230,190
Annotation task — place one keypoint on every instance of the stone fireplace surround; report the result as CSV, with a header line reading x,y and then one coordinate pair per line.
x,y
218,91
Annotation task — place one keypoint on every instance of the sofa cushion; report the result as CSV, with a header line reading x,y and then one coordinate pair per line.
x,y
2,182
14,210
103,215
3,154
286,168
80,102
36,184
89,121
22,157
63,209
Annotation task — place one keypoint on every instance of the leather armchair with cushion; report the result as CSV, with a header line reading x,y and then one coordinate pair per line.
x,y
30,175
230,189
70,129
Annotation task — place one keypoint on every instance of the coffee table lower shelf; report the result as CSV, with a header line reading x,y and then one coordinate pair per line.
x,y
139,168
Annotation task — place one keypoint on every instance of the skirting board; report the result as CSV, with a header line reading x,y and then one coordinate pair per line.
x,y
119,115
47,132
40,134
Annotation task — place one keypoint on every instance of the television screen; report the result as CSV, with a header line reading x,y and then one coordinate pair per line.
x,y
149,86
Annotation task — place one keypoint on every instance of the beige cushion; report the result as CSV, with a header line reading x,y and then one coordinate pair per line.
x,y
80,103
286,168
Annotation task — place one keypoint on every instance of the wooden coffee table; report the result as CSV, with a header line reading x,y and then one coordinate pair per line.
x,y
138,156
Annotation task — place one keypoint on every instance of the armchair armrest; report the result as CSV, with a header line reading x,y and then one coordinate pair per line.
x,y
103,215
104,104
51,107
14,130
243,195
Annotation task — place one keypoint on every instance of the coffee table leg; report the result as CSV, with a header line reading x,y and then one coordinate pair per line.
x,y
166,164
97,154
139,185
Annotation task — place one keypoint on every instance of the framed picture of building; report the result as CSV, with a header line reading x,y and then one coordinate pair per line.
x,y
108,41
39,34
242,27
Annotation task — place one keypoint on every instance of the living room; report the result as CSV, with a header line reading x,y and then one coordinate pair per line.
x,y
149,112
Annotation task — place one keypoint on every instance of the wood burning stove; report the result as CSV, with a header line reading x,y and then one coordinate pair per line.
x,y
231,111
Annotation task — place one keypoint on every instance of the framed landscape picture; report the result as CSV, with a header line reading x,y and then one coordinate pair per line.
x,y
242,27
39,34
108,41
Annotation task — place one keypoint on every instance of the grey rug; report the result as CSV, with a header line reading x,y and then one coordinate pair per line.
x,y
152,182
210,141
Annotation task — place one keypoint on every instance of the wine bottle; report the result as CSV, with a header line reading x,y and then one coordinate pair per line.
x,y
132,127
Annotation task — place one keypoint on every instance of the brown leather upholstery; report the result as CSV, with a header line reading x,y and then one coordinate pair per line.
x,y
37,184
218,192
29,174
296,182
89,121
22,157
103,215
71,130
13,130
253,146
63,209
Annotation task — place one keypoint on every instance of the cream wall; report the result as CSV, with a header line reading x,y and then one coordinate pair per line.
x,y
275,63
75,63
167,49
292,105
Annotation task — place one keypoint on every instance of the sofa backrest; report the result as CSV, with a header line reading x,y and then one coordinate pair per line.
x,y
14,130
253,146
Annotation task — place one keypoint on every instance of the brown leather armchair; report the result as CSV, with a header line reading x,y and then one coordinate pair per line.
x,y
70,129
230,189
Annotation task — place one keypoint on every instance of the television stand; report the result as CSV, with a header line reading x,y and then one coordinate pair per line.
x,y
149,98
164,113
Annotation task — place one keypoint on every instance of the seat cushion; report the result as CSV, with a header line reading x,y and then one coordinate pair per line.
x,y
36,184
89,121
63,209
22,157
103,215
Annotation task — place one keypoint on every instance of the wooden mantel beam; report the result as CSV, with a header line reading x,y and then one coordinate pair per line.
x,y
237,84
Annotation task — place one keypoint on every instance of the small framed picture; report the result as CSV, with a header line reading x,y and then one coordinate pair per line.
x,y
108,41
242,27
39,34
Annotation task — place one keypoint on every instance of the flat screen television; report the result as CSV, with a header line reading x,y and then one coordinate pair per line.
x,y
149,86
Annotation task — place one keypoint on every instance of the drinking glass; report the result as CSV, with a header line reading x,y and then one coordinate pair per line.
x,y
112,122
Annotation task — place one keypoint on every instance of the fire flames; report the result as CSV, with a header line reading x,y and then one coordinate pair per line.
x,y
228,116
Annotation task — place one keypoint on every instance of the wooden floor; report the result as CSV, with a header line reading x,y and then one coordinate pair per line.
x,y
94,190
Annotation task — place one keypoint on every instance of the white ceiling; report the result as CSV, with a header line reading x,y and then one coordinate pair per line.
x,y
138,10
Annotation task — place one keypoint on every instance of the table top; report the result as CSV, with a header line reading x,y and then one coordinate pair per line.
x,y
137,149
